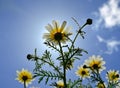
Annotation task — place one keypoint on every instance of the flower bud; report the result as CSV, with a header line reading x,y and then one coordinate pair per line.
x,y
85,66
117,76
89,21
29,56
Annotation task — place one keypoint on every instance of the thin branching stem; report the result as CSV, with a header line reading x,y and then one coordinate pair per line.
x,y
53,66
50,63
52,46
80,29
77,34
71,56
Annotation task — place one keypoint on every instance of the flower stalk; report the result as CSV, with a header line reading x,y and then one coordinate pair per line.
x,y
24,84
88,22
64,65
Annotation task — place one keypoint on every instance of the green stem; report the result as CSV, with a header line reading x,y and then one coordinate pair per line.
x,y
76,82
52,66
77,34
24,84
102,82
50,63
99,78
64,65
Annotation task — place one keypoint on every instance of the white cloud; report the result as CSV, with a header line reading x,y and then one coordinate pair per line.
x,y
109,13
111,44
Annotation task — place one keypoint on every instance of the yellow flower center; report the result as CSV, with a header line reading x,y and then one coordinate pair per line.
x,y
24,78
58,36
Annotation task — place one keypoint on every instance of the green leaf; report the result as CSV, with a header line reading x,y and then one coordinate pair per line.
x,y
40,79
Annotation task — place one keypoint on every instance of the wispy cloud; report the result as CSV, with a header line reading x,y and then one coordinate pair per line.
x,y
109,14
111,44
34,87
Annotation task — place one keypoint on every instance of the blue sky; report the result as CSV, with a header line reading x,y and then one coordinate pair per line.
x,y
22,24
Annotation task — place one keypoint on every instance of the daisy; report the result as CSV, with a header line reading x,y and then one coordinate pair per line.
x,y
113,76
24,77
82,72
95,63
57,33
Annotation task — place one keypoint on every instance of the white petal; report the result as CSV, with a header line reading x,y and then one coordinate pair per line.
x,y
49,27
63,25
55,24
67,29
